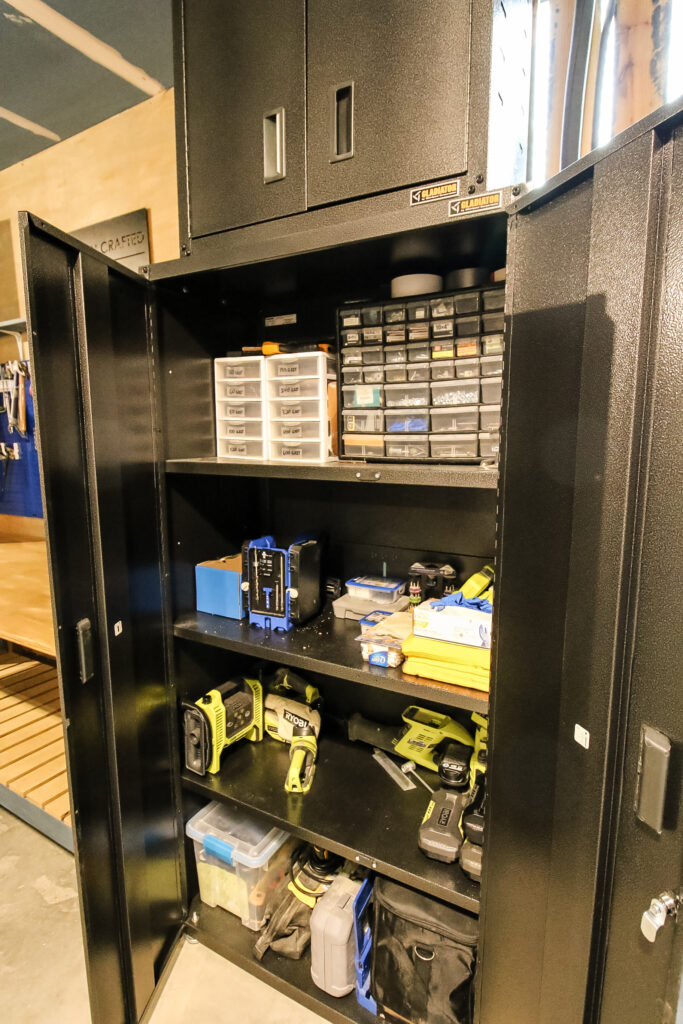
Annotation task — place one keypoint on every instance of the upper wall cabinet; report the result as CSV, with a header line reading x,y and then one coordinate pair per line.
x,y
388,90
244,66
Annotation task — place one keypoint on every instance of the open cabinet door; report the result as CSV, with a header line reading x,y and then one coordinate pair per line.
x,y
91,329
582,257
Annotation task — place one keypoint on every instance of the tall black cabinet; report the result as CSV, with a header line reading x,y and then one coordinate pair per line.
x,y
134,497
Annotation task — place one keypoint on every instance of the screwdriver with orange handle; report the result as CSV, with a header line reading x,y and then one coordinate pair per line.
x,y
273,348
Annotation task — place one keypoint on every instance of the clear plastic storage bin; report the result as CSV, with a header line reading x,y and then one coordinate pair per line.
x,y
466,326
240,861
371,315
352,356
406,447
454,446
239,368
397,354
351,338
418,351
238,409
230,389
372,354
455,421
418,310
467,302
296,429
418,332
235,448
372,335
489,417
418,372
491,366
493,299
396,374
442,329
467,348
466,368
294,408
455,392
491,390
373,375
364,446
352,374
379,589
493,322
394,314
489,445
303,387
414,422
444,349
492,344
394,335
406,394
443,369
363,396
250,430
443,306
350,317
303,364
370,422
300,451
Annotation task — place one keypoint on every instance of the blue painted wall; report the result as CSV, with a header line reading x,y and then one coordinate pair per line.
x,y
20,495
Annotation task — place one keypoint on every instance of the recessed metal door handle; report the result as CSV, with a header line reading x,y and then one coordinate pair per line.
x,y
274,162
660,910
341,134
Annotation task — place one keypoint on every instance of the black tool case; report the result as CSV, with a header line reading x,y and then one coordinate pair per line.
x,y
576,519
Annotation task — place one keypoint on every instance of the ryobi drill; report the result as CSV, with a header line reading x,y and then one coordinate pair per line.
x,y
296,722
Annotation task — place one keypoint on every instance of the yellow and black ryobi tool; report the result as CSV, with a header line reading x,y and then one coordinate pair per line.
x,y
294,722
224,715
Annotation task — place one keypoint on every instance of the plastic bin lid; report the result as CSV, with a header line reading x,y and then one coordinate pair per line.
x,y
233,836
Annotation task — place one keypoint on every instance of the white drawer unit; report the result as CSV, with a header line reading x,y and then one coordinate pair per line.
x,y
241,409
302,407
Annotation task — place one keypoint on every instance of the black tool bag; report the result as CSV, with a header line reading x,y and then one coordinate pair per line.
x,y
423,954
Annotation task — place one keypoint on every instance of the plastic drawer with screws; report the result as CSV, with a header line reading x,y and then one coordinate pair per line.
x,y
467,348
418,351
455,392
372,355
372,335
492,322
351,339
491,390
352,374
414,422
394,314
396,374
467,326
352,356
443,306
453,446
406,447
455,421
418,332
406,395
418,372
397,354
467,302
364,446
373,374
466,369
442,329
395,335
493,299
443,369
369,422
444,349
492,344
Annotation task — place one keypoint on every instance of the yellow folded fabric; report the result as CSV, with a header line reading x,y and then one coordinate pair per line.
x,y
442,651
475,679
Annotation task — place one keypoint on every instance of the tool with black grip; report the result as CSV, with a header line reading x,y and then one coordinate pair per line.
x,y
440,835
224,715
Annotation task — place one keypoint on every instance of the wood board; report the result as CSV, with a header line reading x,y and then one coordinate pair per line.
x,y
25,605
32,751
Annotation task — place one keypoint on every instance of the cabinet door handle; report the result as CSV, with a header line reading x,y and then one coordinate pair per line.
x,y
274,145
341,135
84,648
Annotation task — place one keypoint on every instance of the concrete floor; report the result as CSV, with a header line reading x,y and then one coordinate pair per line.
x,y
42,970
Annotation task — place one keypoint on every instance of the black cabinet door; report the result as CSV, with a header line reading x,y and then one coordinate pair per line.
x,y
244,78
388,88
94,367
582,262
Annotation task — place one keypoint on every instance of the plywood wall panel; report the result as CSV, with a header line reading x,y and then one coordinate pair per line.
x,y
122,164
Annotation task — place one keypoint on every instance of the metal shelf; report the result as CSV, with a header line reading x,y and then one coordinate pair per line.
x,y
326,645
353,808
416,474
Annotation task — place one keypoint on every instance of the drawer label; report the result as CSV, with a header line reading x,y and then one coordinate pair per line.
x,y
292,430
237,391
237,431
290,389
291,450
235,371
475,204
291,410
288,369
236,410
237,449
431,193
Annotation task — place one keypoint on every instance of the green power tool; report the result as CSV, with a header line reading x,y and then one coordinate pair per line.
x,y
422,739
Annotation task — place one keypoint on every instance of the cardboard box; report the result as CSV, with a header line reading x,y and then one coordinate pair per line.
x,y
219,587
453,623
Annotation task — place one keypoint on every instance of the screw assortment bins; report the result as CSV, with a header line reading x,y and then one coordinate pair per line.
x,y
302,407
241,409
422,378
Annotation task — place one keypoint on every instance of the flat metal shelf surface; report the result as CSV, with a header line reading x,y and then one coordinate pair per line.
x,y
417,474
225,934
353,808
326,645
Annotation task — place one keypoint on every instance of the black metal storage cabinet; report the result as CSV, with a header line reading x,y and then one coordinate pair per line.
x,y
288,105
591,439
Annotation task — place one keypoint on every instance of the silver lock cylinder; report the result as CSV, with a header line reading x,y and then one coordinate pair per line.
x,y
663,906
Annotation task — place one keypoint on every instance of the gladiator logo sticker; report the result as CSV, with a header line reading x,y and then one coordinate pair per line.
x,y
430,193
475,204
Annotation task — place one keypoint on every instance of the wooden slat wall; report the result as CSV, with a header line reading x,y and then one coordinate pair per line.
x,y
32,754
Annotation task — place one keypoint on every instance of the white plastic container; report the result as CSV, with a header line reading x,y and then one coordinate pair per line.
x,y
239,861
241,412
455,392
379,589
406,446
237,409
246,430
491,390
294,408
301,451
302,364
455,421
491,366
489,417
453,446
406,395
236,448
239,368
296,429
301,387
236,389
